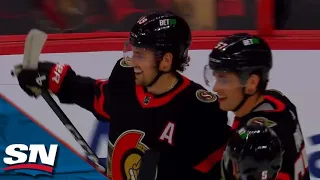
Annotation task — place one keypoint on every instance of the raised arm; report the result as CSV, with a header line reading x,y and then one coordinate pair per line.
x,y
69,87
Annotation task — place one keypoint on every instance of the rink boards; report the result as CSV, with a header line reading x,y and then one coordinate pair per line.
x,y
295,73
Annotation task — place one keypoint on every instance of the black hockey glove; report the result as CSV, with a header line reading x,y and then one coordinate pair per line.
x,y
48,76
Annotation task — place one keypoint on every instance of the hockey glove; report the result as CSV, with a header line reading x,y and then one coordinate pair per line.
x,y
48,76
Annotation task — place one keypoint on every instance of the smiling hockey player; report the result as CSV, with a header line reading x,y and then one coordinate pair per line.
x,y
161,122
239,71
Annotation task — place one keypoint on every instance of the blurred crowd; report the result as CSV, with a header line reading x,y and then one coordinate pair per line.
x,y
68,16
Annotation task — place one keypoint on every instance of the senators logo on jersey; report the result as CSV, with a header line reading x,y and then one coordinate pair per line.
x,y
262,121
205,96
124,156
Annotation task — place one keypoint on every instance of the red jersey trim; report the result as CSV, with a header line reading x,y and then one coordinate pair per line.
x,y
159,101
99,102
280,106
207,164
235,124
283,176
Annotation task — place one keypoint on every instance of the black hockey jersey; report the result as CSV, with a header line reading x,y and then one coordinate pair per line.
x,y
277,112
177,135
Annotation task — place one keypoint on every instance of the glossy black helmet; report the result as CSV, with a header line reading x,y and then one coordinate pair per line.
x,y
163,31
244,55
241,53
257,151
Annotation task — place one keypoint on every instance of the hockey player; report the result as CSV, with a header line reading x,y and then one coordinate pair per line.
x,y
239,69
160,120
256,151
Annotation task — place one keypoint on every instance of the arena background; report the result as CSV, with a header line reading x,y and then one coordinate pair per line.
x,y
88,35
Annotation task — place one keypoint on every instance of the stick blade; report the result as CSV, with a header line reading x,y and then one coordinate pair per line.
x,y
32,49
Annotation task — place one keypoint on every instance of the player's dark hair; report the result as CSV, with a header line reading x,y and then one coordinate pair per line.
x,y
179,63
263,80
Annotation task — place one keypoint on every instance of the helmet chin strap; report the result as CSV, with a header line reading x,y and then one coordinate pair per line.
x,y
244,99
155,79
159,74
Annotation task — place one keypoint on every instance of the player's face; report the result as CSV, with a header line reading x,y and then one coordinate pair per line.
x,y
144,64
229,89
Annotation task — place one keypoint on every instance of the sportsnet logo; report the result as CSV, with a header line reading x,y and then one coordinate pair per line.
x,y
23,157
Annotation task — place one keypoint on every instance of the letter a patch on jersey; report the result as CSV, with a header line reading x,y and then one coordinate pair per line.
x,y
167,133
206,96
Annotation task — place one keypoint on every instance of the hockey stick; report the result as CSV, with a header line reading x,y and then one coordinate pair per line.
x,y
33,46
72,129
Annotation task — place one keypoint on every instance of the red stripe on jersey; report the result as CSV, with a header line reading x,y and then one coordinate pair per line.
x,y
159,101
283,176
280,106
207,164
235,124
98,103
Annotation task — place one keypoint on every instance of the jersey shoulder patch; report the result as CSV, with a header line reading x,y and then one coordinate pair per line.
x,y
125,62
205,96
262,121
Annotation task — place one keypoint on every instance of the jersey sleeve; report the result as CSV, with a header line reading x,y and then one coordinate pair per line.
x,y
122,77
95,95
295,162
86,92
206,135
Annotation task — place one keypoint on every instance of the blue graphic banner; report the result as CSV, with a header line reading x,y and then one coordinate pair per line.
x,y
314,157
29,152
